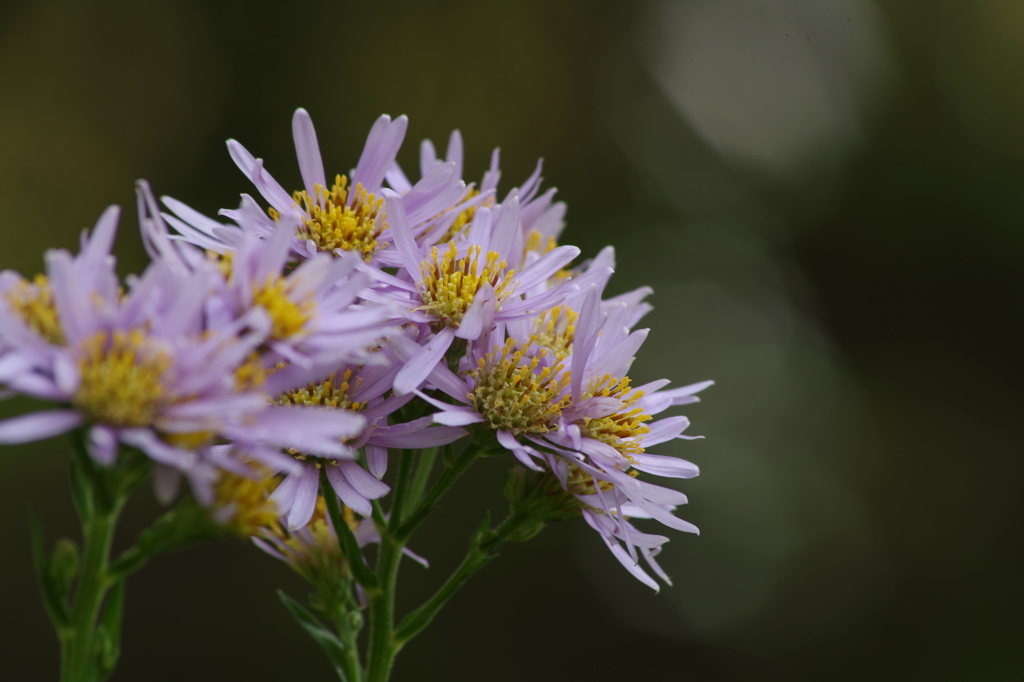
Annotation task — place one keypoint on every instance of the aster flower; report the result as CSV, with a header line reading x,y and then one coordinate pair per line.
x,y
541,218
348,216
467,290
561,401
357,390
143,369
314,552
314,310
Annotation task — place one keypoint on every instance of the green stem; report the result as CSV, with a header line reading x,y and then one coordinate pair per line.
x,y
382,646
401,490
80,659
424,466
480,553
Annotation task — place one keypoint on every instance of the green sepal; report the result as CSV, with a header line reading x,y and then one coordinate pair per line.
x,y
109,630
331,645
54,598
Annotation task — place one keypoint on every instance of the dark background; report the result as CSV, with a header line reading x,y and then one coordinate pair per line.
x,y
825,196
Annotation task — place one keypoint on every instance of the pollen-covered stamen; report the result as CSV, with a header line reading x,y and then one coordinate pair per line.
x,y
288,317
243,504
556,330
332,392
317,542
625,429
465,217
535,241
123,379
33,303
341,218
450,284
579,482
519,394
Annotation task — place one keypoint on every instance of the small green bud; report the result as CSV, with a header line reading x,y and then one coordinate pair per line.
x,y
63,566
539,495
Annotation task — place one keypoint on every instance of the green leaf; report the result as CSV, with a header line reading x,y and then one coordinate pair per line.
x,y
109,630
331,645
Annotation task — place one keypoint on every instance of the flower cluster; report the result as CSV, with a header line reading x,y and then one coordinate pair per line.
x,y
303,334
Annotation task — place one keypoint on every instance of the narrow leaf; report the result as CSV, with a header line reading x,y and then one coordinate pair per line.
x,y
331,645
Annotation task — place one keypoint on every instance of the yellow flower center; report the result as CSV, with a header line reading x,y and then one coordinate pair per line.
x,y
450,284
34,304
318,555
340,219
248,501
517,394
536,242
189,440
288,317
333,392
556,330
122,379
465,217
624,429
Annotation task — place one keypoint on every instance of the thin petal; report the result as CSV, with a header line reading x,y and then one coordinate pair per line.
x,y
38,426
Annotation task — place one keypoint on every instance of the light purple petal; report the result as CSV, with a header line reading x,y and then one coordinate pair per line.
x,y
422,363
479,318
348,494
363,482
38,426
670,467
305,498
307,149
103,445
377,459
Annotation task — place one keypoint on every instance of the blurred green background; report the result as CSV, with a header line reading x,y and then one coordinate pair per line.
x,y
825,196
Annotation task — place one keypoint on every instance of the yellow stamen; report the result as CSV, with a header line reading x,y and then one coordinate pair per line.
x,y
329,393
318,554
251,374
288,317
450,285
223,261
465,217
122,379
556,329
34,304
536,242
624,429
513,395
190,440
247,500
341,219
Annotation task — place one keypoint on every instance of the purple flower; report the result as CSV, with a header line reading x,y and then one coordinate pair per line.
x,y
468,290
145,370
315,312
560,400
541,218
345,217
357,390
